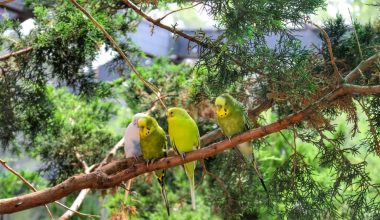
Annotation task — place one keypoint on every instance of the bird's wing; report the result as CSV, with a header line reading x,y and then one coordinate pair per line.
x,y
174,146
247,121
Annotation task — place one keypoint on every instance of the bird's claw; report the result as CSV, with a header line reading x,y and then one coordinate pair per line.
x,y
136,159
150,161
183,155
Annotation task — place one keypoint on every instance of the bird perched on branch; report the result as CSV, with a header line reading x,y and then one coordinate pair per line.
x,y
233,119
153,145
132,145
132,138
184,137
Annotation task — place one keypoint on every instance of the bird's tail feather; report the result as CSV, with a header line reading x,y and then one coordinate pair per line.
x,y
245,151
189,169
259,175
163,192
192,191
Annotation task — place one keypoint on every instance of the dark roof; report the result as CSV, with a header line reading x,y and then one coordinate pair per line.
x,y
15,10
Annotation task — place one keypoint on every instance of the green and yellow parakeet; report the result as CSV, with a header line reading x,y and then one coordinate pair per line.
x,y
153,145
233,119
184,136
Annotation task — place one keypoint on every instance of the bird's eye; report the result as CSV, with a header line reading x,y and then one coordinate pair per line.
x,y
148,129
225,110
171,114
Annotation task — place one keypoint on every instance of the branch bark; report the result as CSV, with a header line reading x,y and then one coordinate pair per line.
x,y
329,47
363,66
87,169
114,173
6,2
26,183
16,53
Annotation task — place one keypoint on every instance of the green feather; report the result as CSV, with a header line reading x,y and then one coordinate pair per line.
x,y
153,146
236,122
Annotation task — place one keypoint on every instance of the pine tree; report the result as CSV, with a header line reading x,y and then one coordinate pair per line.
x,y
317,168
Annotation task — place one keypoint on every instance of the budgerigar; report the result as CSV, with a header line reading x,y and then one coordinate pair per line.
x,y
132,144
153,145
184,136
132,138
233,119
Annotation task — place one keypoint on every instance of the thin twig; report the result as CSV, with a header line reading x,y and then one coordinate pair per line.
x,y
115,45
356,36
213,47
25,181
329,46
6,2
16,53
87,169
180,9
81,196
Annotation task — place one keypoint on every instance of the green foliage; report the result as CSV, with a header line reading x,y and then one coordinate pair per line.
x,y
146,202
324,167
77,126
139,98
345,44
247,19
64,47
11,185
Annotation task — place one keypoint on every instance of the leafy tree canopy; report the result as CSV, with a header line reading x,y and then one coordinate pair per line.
x,y
53,107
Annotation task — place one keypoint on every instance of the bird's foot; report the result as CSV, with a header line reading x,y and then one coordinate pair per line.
x,y
150,161
136,160
147,162
183,155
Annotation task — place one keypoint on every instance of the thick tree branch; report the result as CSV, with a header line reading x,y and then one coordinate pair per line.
x,y
87,169
35,190
82,195
5,165
114,173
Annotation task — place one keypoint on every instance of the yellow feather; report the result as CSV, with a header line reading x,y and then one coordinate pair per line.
x,y
184,135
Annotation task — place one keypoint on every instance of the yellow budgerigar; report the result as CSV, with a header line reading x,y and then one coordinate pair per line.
x,y
233,119
153,145
184,136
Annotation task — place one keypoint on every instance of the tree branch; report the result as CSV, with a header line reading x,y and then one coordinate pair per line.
x,y
329,47
6,2
16,53
26,183
180,9
173,30
152,87
158,23
83,193
35,190
114,173
362,67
